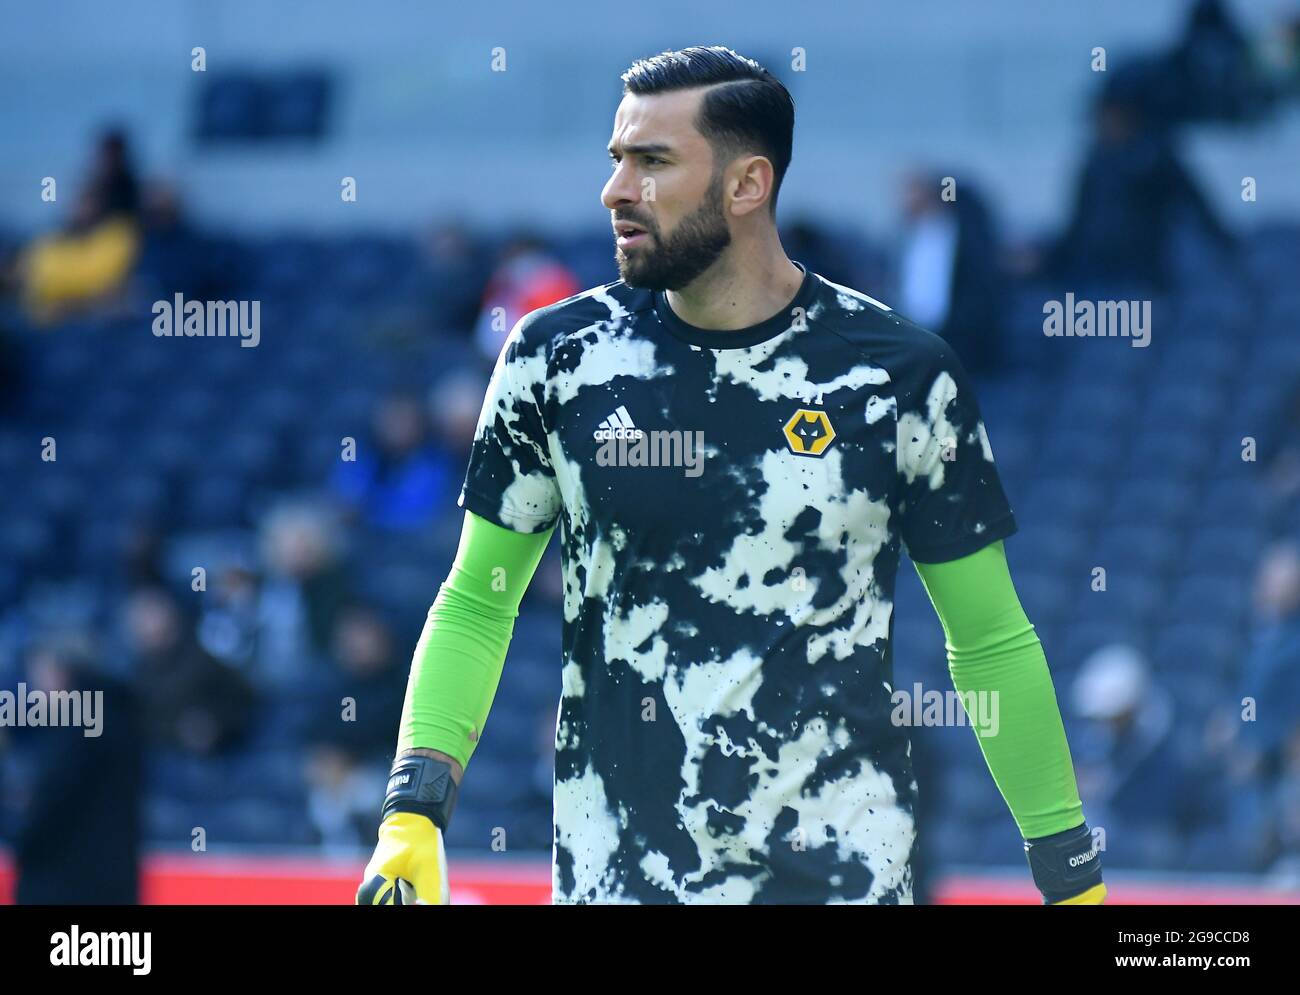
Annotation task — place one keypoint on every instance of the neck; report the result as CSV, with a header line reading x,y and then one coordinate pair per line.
x,y
743,288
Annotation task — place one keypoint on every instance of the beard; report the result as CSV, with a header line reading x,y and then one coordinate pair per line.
x,y
695,245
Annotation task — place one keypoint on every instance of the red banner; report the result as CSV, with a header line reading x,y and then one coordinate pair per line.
x,y
210,879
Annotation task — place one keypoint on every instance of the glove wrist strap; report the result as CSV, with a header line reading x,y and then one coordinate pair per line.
x,y
421,785
1064,864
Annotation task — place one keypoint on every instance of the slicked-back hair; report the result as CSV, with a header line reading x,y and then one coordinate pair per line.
x,y
745,111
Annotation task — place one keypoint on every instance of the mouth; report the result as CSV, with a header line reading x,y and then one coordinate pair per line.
x,y
629,234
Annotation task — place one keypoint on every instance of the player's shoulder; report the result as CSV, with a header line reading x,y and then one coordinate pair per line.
x,y
610,302
891,340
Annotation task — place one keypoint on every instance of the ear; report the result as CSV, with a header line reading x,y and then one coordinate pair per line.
x,y
752,186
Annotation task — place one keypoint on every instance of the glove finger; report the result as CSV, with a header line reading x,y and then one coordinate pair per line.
x,y
386,891
390,860
375,890
428,873
379,890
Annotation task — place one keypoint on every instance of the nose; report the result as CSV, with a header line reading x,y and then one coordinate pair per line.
x,y
621,189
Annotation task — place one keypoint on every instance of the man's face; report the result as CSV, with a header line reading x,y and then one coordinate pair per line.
x,y
665,184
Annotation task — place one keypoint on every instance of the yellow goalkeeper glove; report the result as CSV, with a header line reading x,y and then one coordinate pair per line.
x,y
409,865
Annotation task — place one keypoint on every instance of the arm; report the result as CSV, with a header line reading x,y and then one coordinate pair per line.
x,y
454,676
1183,191
512,501
992,647
458,660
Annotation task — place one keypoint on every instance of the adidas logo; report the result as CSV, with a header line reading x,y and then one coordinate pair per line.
x,y
617,426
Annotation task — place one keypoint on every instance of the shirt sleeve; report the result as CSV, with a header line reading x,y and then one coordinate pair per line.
x,y
510,480
951,502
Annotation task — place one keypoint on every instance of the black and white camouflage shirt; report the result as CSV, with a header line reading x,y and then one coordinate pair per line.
x,y
732,506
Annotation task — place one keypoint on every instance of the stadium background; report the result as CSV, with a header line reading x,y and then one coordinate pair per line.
x,y
477,189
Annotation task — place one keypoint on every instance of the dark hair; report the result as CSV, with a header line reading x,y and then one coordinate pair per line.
x,y
746,109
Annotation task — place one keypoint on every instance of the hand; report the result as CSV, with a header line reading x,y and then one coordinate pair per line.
x,y
409,866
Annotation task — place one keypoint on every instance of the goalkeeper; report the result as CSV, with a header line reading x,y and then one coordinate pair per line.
x,y
736,452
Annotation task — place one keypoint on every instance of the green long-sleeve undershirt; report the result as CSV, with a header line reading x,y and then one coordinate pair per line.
x,y
991,647
458,660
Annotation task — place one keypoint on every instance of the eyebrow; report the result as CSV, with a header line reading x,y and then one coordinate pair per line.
x,y
649,148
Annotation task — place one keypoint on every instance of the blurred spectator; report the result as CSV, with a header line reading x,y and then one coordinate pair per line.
x,y
175,258
78,840
1245,739
343,797
1271,677
228,619
353,736
361,697
1134,194
88,262
1132,779
454,405
192,702
399,477
1212,74
352,739
63,273
949,276
112,187
455,274
305,586
527,277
